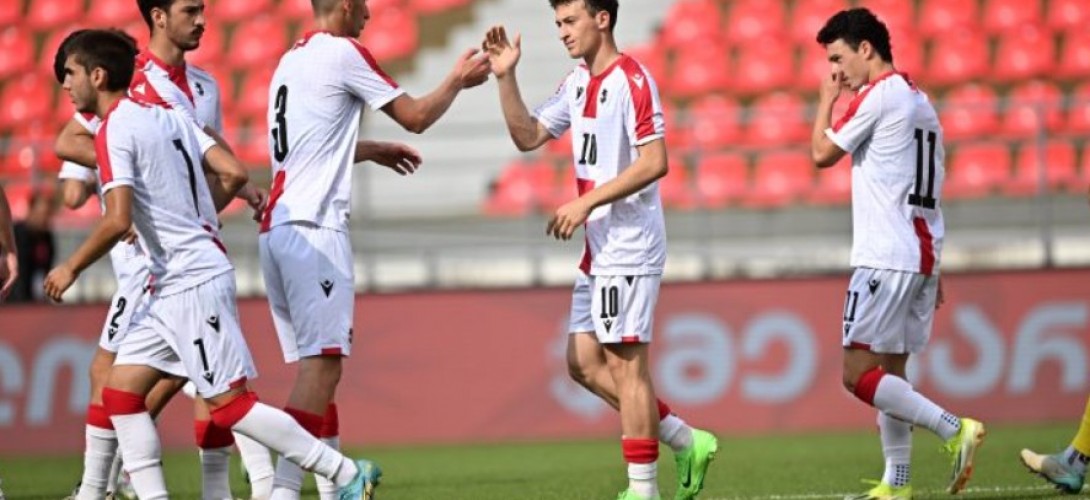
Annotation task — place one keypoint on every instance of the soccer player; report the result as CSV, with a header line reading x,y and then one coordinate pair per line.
x,y
1066,469
188,326
315,99
895,139
612,106
9,262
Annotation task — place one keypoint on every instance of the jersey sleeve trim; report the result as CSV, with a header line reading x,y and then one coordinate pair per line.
x,y
102,151
76,172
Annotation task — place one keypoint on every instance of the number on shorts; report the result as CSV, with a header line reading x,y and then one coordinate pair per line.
x,y
849,306
204,358
611,298
114,325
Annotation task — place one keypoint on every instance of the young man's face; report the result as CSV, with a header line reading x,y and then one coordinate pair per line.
x,y
579,30
81,91
184,23
357,14
850,65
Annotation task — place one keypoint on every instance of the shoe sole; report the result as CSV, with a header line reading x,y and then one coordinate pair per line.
x,y
967,471
1062,487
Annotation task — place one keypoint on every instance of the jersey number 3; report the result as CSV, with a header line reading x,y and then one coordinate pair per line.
x,y
919,197
280,131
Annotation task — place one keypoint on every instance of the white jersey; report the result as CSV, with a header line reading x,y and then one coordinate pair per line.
x,y
158,151
895,139
609,115
127,259
315,99
184,87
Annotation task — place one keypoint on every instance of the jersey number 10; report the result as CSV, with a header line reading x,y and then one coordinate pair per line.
x,y
919,198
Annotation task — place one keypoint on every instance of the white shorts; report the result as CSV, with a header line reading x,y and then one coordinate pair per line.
x,y
132,281
889,312
193,334
618,309
310,282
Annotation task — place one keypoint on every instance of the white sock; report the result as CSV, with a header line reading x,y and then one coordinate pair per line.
x,y
642,479
101,449
897,448
288,481
285,436
326,489
1075,459
675,433
215,473
140,447
115,474
896,397
258,463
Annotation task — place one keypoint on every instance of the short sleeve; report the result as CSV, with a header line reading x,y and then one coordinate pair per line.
x,y
204,141
554,114
76,172
365,79
115,149
87,120
646,122
858,123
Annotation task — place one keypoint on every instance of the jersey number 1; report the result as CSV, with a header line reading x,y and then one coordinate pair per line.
x,y
192,173
280,131
919,198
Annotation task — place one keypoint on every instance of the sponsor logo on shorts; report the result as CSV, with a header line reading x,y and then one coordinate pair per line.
x,y
214,322
873,284
327,287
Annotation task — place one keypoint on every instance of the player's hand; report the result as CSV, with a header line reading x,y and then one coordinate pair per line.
x,y
397,157
568,218
257,198
130,236
472,69
504,54
9,272
940,296
831,86
58,281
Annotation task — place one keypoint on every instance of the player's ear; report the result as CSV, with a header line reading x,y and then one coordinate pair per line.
x,y
97,77
601,19
865,49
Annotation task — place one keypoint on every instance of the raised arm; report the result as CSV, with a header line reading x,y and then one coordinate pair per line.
x,y
75,144
824,152
418,114
526,132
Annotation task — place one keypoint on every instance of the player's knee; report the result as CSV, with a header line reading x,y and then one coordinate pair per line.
x,y
581,373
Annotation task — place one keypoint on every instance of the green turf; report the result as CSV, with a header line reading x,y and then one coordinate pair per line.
x,y
767,467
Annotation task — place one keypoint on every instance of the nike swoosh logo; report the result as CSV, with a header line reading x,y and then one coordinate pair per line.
x,y
688,477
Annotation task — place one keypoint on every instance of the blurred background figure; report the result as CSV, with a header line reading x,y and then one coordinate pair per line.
x,y
36,246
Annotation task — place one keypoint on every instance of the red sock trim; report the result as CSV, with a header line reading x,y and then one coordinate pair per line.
x,y
211,436
331,425
228,415
312,422
97,416
867,384
664,409
640,451
122,403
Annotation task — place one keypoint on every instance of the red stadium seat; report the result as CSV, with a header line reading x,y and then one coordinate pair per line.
x,y
813,66
969,111
1068,14
781,177
689,22
976,170
30,149
700,69
1006,15
1031,107
17,53
297,10
907,50
834,184
428,7
675,189
755,21
524,186
808,18
49,14
765,66
776,119
234,10
561,147
895,14
721,179
1059,168
392,35
1075,58
715,122
258,43
112,13
253,101
26,99
139,31
941,17
1078,112
1024,53
11,12
49,49
959,57
211,50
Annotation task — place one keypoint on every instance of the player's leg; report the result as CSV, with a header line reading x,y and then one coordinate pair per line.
x,y
1066,469
214,448
100,451
138,441
896,435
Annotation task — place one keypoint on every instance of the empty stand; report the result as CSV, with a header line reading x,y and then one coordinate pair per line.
x,y
1078,113
1005,15
48,14
940,18
1027,52
524,186
969,111
777,119
1033,107
834,184
17,52
977,170
114,13
1068,14
11,12
755,21
1055,163
714,122
690,22
393,35
958,57
1075,57
808,17
766,66
700,69
780,178
258,43
721,179
676,189
27,99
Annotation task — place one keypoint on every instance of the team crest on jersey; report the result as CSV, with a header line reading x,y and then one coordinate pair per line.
x,y
604,93
200,88
578,93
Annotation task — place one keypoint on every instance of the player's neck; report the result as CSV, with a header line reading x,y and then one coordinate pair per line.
x,y
331,23
162,48
879,69
106,102
599,60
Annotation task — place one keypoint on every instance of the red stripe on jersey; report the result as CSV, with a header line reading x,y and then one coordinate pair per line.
x,y
143,92
176,74
87,116
367,57
215,239
642,100
102,151
307,36
590,108
853,107
584,186
927,246
274,195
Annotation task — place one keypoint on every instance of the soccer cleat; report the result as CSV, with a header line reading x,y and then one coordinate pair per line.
x,y
883,491
363,485
631,495
124,489
692,464
1053,469
962,450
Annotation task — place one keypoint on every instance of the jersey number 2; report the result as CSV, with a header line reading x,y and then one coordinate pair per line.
x,y
280,131
920,198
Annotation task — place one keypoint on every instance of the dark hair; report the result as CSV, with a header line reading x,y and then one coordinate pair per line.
x,y
855,26
62,52
594,7
110,50
147,5
322,6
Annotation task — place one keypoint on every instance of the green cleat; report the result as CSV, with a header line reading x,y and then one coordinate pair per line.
x,y
692,464
883,491
1053,469
363,485
962,450
631,495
